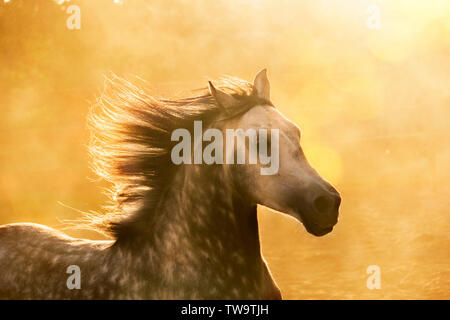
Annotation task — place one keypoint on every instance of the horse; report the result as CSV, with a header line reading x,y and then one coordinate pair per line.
x,y
178,231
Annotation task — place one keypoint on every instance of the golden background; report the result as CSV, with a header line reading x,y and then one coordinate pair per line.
x,y
373,105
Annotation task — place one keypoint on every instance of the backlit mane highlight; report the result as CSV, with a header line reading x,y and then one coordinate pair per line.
x,y
130,145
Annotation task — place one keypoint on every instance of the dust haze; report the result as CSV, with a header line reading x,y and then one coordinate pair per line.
x,y
373,105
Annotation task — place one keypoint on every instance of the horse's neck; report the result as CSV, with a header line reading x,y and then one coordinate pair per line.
x,y
207,230
203,207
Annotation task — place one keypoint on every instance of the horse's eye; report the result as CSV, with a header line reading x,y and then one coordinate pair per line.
x,y
265,138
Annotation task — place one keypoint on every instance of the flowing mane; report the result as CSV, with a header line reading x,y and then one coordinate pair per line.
x,y
130,145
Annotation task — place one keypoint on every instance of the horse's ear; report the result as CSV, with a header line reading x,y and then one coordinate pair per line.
x,y
261,85
223,99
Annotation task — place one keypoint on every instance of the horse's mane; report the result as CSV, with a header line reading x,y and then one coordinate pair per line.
x,y
131,144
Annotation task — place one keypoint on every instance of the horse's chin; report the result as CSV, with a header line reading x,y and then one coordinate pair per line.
x,y
318,231
313,228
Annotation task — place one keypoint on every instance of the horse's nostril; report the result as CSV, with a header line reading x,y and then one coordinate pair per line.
x,y
327,203
324,203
